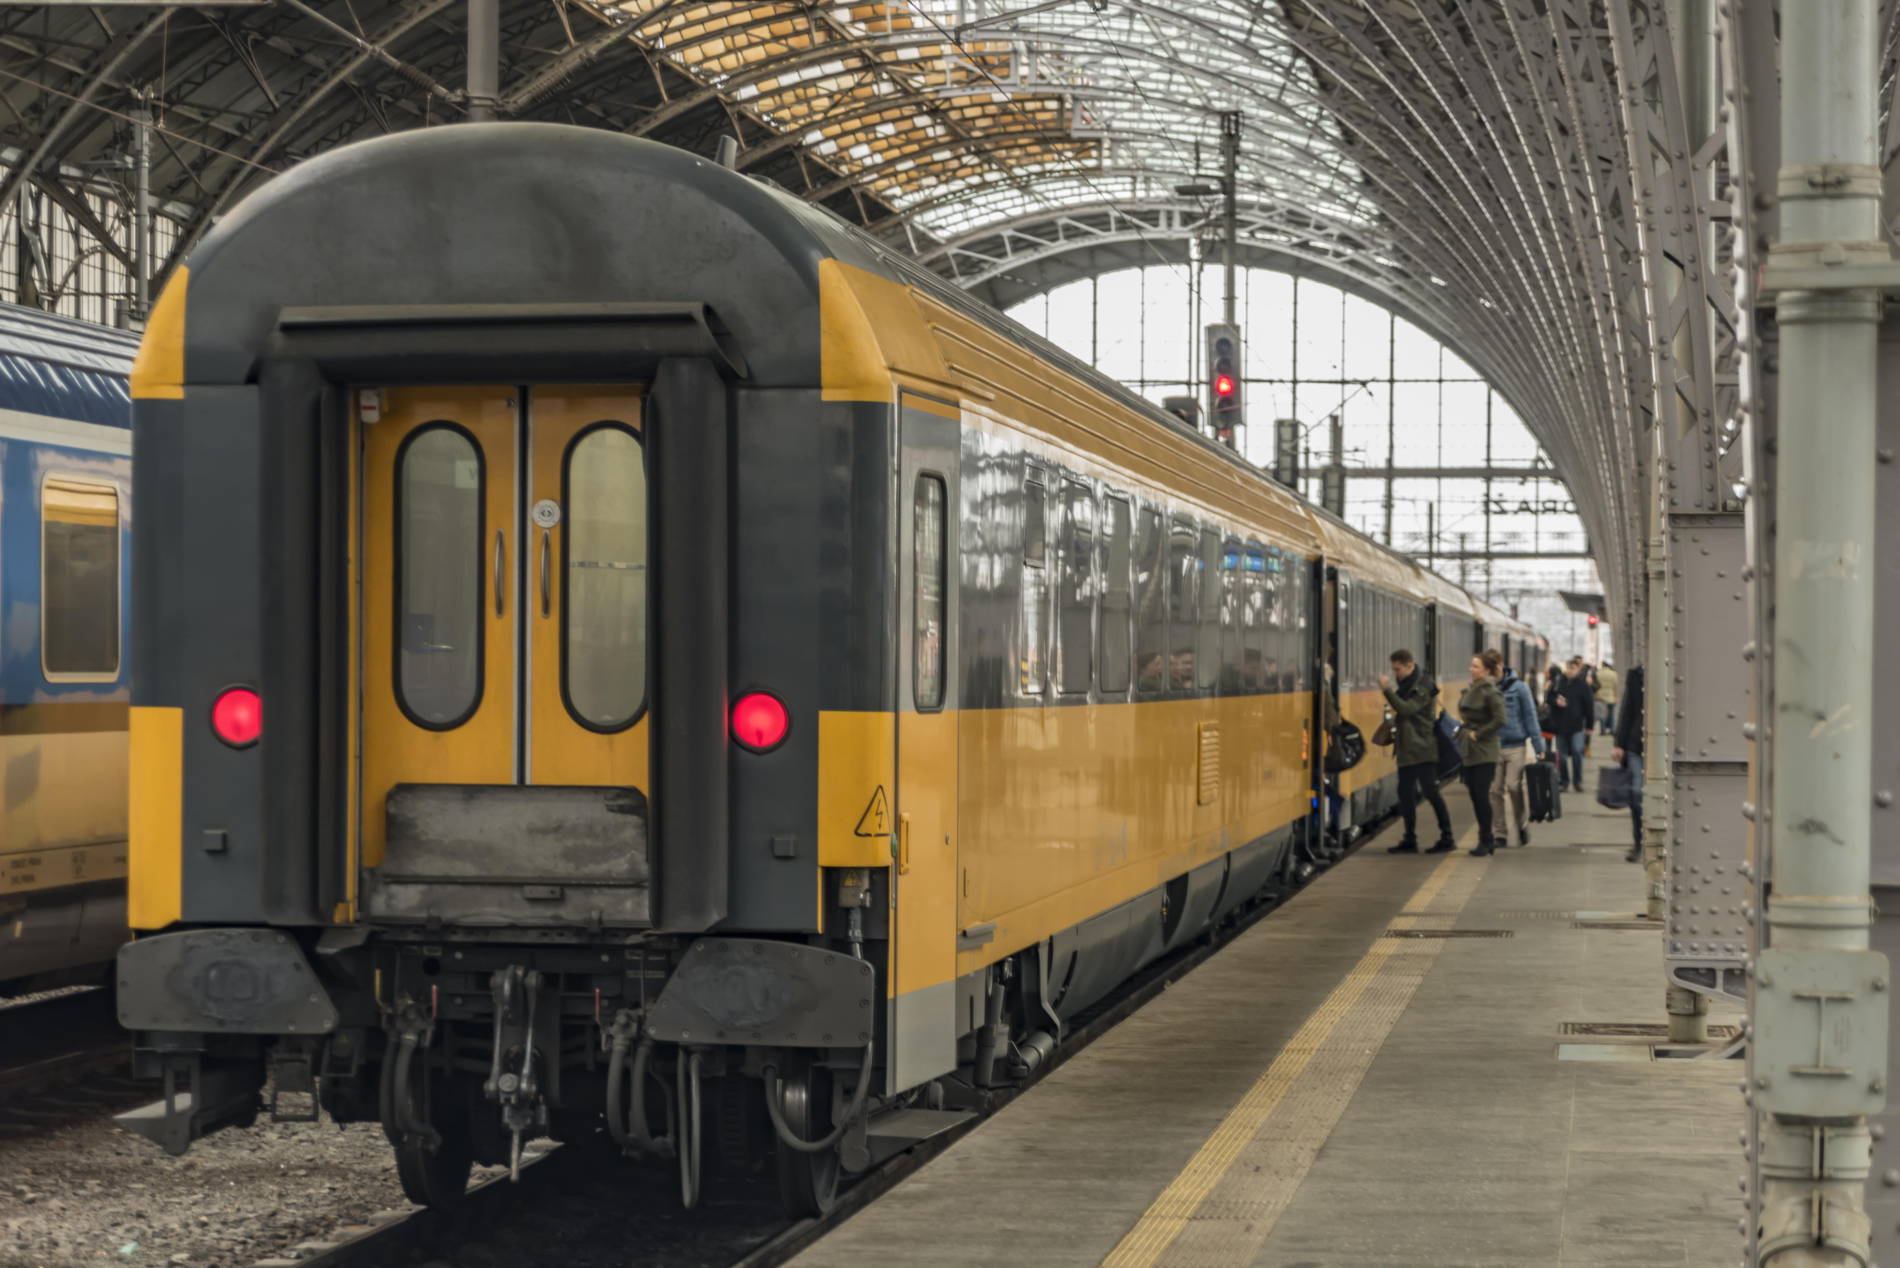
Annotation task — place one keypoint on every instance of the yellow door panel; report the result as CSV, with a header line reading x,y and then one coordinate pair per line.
x,y
587,577
438,661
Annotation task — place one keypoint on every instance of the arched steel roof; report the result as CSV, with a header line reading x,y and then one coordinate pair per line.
x,y
1502,172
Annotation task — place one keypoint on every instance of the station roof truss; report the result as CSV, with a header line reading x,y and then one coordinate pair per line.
x,y
1518,177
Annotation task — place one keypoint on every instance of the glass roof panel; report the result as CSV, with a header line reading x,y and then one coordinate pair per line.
x,y
961,113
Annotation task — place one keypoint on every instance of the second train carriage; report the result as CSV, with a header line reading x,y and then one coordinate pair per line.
x,y
65,506
599,649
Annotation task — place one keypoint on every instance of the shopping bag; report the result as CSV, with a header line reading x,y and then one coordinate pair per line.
x,y
1616,787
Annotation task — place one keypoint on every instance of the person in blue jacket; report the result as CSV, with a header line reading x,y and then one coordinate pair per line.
x,y
1520,727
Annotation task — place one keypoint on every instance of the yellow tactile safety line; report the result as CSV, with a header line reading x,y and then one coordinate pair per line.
x,y
1168,1215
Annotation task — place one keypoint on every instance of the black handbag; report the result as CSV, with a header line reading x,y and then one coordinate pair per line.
x,y
1616,787
1346,750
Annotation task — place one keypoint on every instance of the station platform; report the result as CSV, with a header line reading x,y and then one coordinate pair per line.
x,y
1418,1060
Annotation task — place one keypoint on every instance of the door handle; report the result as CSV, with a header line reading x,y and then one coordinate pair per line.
x,y
547,584
501,574
903,845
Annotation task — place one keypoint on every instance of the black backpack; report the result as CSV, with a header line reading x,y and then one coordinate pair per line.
x,y
1347,750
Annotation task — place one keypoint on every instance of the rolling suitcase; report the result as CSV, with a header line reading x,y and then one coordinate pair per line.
x,y
1540,788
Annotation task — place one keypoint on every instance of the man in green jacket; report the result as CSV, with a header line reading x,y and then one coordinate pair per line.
x,y
1413,697
1481,709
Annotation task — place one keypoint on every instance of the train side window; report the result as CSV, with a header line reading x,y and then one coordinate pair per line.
x,y
928,589
1116,610
1207,655
1184,606
439,495
1151,603
1035,584
1075,592
604,578
1257,655
79,580
1233,616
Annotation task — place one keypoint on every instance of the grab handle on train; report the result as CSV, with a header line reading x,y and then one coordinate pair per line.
x,y
501,574
547,582
903,844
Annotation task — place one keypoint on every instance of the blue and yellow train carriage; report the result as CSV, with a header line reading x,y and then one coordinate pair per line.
x,y
65,506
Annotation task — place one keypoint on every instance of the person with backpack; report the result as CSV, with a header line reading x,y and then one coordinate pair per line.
x,y
1413,697
1520,728
1481,709
1629,754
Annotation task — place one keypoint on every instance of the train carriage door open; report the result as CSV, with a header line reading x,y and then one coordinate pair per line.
x,y
502,665
925,886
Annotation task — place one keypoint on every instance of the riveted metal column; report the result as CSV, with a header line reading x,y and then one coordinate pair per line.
x,y
1818,1061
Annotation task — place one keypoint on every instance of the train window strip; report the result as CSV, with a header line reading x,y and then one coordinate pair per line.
x,y
1114,652
1207,652
604,577
929,588
1075,592
1035,585
441,491
1184,600
80,551
1151,603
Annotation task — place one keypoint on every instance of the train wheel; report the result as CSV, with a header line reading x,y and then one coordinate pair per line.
x,y
807,1182
435,1177
435,1172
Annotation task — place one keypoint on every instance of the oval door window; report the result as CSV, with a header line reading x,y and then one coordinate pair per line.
x,y
439,576
604,612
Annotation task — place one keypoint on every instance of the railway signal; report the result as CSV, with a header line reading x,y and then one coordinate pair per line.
x,y
1224,406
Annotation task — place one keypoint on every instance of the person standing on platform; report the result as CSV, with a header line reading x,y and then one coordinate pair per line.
x,y
1607,684
1629,753
1413,696
1481,709
1520,728
1571,713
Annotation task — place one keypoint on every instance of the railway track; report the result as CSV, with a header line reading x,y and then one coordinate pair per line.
x,y
575,1197
63,1058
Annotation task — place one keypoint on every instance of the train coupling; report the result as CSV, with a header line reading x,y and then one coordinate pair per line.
x,y
513,1081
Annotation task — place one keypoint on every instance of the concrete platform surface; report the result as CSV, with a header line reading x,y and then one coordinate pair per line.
x,y
1342,1088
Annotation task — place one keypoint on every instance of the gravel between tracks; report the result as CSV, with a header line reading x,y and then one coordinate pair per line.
x,y
92,1194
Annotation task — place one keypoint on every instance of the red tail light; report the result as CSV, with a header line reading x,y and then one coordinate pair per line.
x,y
760,721
238,717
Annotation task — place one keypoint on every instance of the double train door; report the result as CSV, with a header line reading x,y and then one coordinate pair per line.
x,y
502,590
924,889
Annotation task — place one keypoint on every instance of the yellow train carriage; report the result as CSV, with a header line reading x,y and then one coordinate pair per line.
x,y
665,624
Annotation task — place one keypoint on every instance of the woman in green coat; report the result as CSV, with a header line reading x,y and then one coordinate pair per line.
x,y
1481,709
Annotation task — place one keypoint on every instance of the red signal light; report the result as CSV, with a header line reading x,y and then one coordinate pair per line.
x,y
1223,385
238,717
760,721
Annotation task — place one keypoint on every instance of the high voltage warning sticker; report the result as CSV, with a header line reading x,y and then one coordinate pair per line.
x,y
876,819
